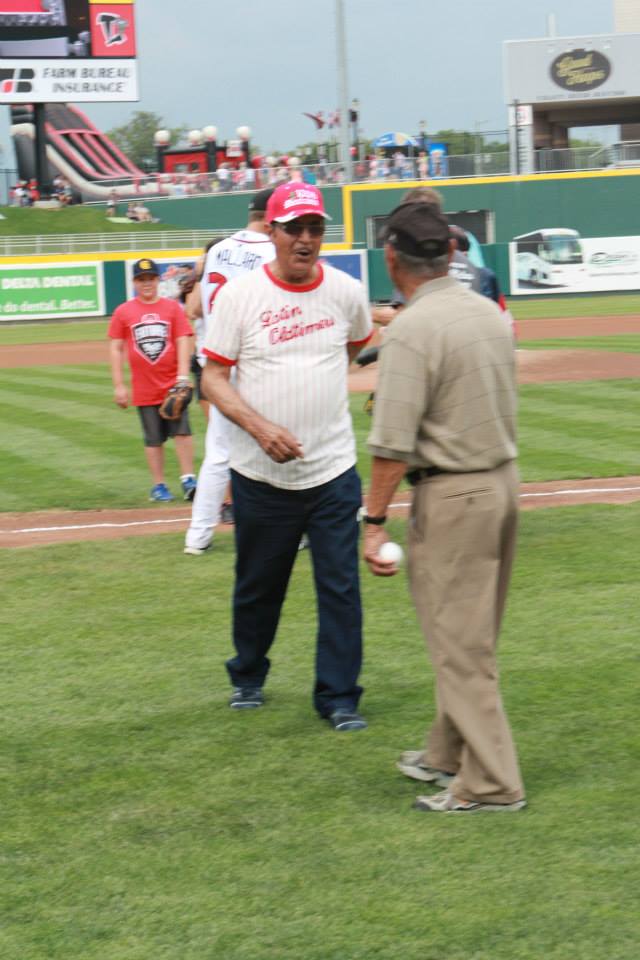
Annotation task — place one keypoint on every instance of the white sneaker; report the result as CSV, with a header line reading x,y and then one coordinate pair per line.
x,y
196,551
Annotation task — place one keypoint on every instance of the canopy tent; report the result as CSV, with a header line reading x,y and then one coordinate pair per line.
x,y
395,140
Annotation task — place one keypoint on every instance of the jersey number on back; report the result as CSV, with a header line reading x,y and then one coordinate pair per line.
x,y
216,281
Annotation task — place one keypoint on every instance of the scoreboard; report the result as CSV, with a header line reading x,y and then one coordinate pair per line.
x,y
96,38
37,13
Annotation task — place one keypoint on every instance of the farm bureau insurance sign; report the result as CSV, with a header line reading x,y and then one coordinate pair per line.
x,y
52,51
51,291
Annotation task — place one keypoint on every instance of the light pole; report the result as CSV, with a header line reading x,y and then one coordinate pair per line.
x,y
422,127
476,145
211,136
354,116
161,139
343,98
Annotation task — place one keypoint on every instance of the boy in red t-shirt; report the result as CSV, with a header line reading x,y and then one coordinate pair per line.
x,y
158,339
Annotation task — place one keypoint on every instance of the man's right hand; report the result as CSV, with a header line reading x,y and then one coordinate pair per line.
x,y
121,396
278,443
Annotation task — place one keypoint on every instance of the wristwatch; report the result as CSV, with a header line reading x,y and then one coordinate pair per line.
x,y
376,521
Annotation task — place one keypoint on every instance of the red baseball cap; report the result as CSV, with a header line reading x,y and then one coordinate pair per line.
x,y
292,200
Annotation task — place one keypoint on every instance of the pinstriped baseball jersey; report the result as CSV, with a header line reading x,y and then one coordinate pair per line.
x,y
289,344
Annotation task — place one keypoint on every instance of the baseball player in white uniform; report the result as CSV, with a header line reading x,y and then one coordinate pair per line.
x,y
232,257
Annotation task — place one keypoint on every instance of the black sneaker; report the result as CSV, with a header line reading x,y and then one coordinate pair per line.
x,y
246,698
344,720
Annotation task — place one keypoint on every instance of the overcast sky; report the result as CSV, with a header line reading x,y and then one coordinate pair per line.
x,y
265,62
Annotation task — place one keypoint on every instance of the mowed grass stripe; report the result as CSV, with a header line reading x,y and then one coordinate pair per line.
x,y
579,425
591,394
622,304
68,397
68,489
88,373
617,343
72,332
75,470
543,462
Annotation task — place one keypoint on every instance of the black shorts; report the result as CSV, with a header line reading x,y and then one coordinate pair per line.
x,y
156,430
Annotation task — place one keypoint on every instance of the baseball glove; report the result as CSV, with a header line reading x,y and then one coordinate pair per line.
x,y
176,401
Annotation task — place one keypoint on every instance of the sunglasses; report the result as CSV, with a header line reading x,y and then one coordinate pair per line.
x,y
295,229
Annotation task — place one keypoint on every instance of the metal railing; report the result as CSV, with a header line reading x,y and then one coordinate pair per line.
x,y
7,179
156,240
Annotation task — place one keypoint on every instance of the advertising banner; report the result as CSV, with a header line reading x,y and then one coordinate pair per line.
x,y
51,291
54,51
172,270
559,69
353,262
558,260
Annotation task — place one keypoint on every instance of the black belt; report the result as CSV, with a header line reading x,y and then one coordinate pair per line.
x,y
415,476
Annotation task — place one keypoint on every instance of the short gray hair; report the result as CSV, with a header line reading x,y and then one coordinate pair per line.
x,y
421,267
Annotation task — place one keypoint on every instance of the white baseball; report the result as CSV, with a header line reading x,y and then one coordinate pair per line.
x,y
391,552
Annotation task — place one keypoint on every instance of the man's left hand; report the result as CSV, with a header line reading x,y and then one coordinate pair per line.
x,y
373,539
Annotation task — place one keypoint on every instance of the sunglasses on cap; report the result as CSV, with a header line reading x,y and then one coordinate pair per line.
x,y
295,229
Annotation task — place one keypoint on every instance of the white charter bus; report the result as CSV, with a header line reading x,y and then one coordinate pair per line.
x,y
552,257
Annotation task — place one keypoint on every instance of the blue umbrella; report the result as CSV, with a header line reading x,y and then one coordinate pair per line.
x,y
395,140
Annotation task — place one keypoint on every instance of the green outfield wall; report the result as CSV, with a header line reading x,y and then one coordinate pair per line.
x,y
225,211
598,204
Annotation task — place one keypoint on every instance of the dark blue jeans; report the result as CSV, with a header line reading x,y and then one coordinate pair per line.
x,y
269,523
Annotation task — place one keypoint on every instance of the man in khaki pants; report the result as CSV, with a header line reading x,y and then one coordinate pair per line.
x,y
445,414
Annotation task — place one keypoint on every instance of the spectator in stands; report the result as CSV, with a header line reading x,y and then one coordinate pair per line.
x,y
143,214
224,177
18,195
112,204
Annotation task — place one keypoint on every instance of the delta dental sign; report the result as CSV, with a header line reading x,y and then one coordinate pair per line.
x,y
50,291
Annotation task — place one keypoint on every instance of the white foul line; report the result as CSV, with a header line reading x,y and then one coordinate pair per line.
x,y
96,526
583,490
392,506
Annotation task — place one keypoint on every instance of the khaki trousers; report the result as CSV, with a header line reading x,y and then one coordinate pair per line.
x,y
462,535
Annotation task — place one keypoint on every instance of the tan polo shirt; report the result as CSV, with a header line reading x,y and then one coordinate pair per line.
x,y
446,393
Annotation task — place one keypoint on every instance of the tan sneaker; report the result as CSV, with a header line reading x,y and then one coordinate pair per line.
x,y
410,763
445,802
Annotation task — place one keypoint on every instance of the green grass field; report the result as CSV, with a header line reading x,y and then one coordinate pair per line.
x,y
65,445
32,221
616,343
596,305
143,820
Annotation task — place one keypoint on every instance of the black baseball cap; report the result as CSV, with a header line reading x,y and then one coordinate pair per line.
x,y
261,200
460,236
418,229
143,266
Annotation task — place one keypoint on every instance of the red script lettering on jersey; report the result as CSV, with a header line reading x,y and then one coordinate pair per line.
x,y
268,317
284,334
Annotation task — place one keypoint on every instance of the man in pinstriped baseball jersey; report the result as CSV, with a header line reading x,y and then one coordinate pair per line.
x,y
291,329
